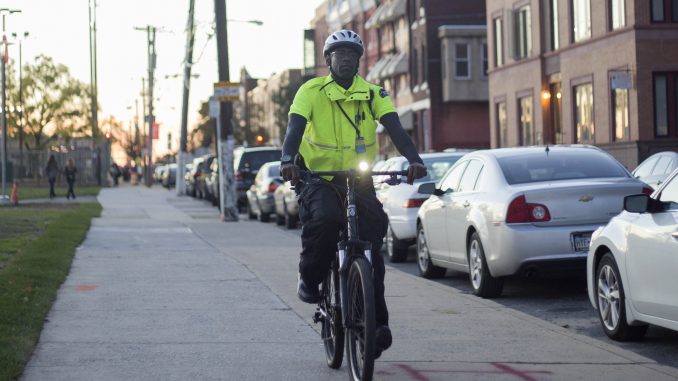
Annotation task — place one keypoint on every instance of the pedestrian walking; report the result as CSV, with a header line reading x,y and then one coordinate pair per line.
x,y
70,171
52,171
115,173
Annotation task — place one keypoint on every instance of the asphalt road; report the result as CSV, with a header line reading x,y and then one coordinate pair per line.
x,y
563,302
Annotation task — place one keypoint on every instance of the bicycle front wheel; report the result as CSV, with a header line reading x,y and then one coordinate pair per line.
x,y
360,346
332,330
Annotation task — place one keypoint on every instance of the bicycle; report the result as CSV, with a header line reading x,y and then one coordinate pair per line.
x,y
348,287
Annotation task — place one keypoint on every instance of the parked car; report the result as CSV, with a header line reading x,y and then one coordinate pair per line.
x,y
212,183
158,172
519,211
632,262
246,164
190,176
201,175
260,203
169,176
402,202
286,205
656,168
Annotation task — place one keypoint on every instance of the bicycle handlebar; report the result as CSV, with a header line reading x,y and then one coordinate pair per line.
x,y
351,173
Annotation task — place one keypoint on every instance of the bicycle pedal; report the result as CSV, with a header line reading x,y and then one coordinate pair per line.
x,y
318,317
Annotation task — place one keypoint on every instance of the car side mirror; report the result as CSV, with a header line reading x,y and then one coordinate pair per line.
x,y
637,203
430,188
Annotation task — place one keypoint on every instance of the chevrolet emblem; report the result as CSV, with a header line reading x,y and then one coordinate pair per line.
x,y
585,198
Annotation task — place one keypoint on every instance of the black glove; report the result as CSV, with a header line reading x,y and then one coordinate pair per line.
x,y
290,172
415,171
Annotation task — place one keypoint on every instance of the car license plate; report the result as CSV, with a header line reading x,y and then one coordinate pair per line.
x,y
581,241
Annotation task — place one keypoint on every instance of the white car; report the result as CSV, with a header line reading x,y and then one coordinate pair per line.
x,y
519,211
632,264
402,202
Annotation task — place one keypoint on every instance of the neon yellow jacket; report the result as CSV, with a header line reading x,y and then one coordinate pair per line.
x,y
329,141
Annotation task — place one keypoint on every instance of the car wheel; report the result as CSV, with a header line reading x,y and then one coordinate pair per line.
x,y
612,302
263,217
290,220
396,249
279,219
250,213
483,283
426,268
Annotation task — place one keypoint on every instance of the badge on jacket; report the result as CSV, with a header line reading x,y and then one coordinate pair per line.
x,y
383,93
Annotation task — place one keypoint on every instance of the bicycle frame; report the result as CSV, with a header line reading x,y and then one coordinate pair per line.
x,y
352,234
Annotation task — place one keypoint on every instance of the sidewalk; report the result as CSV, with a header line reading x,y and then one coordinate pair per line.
x,y
161,290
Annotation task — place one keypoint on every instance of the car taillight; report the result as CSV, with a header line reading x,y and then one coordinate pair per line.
x,y
519,211
238,175
272,186
414,202
196,174
648,191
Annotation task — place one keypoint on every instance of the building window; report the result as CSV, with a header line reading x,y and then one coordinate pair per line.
x,y
483,55
522,33
502,133
581,20
555,40
617,14
498,42
461,61
620,114
583,114
661,105
661,10
525,121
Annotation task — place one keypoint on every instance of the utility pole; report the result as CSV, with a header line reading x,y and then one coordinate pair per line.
x,y
188,62
224,124
150,118
94,86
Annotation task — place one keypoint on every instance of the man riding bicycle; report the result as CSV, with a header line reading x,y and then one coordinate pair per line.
x,y
332,126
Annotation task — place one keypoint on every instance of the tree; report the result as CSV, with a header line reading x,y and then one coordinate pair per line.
x,y
282,99
55,103
204,134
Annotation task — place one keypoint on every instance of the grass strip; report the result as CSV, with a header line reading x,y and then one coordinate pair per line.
x,y
28,192
30,280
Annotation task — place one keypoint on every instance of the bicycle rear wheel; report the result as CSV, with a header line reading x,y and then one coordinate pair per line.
x,y
332,330
360,346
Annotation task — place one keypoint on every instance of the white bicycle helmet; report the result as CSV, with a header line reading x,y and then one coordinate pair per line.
x,y
346,38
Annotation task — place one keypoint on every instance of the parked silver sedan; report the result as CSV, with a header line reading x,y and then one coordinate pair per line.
x,y
632,262
519,211
260,202
286,206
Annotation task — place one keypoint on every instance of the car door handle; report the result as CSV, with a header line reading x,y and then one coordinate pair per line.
x,y
466,204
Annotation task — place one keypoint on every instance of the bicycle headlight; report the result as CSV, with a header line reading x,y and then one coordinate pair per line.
x,y
363,166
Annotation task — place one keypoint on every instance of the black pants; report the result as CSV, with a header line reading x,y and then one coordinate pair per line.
x,y
51,187
70,188
322,213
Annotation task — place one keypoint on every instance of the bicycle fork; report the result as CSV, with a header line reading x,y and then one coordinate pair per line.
x,y
344,262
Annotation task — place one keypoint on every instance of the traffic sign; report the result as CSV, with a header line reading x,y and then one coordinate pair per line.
x,y
227,91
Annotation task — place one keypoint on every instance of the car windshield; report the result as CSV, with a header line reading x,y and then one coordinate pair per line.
x,y
559,165
274,171
436,167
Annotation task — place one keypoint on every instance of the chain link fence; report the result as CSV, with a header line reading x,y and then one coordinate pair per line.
x,y
28,167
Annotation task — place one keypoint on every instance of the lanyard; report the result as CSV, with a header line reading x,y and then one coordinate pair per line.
x,y
357,117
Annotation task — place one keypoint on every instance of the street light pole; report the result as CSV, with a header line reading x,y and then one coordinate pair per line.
x,y
93,86
3,157
21,105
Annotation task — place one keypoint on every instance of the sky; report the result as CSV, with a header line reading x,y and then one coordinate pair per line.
x,y
59,29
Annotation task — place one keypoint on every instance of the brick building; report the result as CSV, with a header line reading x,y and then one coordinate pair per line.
x,y
585,71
